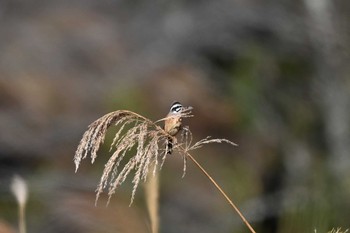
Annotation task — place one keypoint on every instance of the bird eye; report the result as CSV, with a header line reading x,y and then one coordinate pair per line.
x,y
176,108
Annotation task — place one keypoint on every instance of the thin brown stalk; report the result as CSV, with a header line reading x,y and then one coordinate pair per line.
x,y
221,191
152,201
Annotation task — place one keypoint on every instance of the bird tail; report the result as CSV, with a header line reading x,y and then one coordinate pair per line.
x,y
169,146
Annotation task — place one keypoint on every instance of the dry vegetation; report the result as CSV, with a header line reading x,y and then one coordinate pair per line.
x,y
135,132
148,140
338,230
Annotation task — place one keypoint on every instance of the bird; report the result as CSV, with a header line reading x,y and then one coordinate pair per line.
x,y
173,124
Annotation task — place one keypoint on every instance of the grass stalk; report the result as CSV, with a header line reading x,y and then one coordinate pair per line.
x,y
221,191
20,191
22,219
152,201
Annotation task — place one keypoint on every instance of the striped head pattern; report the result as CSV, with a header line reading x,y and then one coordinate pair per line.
x,y
176,107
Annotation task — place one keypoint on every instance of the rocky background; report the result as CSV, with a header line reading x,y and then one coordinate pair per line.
x,y
272,76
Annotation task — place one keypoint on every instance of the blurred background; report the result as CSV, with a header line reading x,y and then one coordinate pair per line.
x,y
272,76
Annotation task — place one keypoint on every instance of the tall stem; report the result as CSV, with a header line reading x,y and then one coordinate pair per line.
x,y
22,220
222,192
152,200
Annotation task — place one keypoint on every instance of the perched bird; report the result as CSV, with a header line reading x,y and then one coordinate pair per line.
x,y
173,124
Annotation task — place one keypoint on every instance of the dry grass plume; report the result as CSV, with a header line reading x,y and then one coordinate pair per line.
x,y
148,140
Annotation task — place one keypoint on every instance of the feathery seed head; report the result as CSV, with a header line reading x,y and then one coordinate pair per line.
x,y
144,135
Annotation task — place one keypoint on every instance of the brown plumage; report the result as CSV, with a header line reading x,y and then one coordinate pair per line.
x,y
173,124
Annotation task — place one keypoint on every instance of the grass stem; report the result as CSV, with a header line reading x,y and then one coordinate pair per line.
x,y
22,219
221,191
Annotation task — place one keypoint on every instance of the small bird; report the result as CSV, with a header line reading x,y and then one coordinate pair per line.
x,y
173,124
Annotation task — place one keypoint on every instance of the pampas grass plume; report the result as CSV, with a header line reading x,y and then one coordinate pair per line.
x,y
20,191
